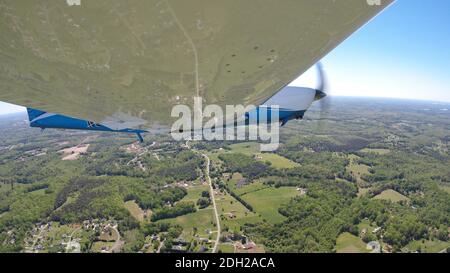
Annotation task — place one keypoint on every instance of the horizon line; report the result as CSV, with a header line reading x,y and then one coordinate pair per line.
x,y
329,96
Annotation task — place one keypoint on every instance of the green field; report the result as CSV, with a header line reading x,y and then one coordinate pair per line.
x,y
202,219
195,192
109,236
376,151
252,149
7,187
365,224
446,188
348,243
38,192
134,210
235,177
391,195
254,186
214,155
226,248
427,246
363,191
267,201
357,169
248,148
227,206
97,246
278,161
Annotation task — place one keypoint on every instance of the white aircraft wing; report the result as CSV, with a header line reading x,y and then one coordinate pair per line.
x,y
106,60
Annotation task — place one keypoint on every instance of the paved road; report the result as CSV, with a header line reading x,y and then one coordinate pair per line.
x,y
216,244
136,158
118,243
213,199
161,243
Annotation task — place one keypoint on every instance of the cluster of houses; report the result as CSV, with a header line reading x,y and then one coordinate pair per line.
x,y
374,231
10,238
34,242
240,242
32,153
36,152
101,225
72,245
219,194
183,184
247,246
375,246
134,148
180,245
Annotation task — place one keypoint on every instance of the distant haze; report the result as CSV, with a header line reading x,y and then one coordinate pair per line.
x,y
7,108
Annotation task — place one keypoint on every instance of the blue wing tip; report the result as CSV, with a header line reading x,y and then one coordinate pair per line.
x,y
34,113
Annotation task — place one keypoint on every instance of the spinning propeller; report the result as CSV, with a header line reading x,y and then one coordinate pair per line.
x,y
322,92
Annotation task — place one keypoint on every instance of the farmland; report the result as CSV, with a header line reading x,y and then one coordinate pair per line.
x,y
392,196
376,172
348,243
267,201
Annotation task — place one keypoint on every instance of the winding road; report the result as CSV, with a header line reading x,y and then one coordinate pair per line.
x,y
118,243
208,162
216,214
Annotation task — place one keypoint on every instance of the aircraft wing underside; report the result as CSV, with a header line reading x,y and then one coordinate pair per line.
x,y
129,62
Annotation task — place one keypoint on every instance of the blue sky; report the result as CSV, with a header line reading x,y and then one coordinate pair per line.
x,y
402,53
